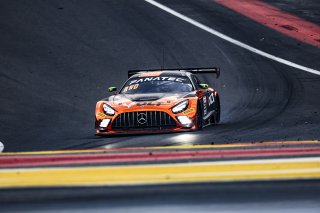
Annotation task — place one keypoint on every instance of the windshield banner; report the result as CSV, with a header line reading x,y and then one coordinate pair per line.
x,y
160,78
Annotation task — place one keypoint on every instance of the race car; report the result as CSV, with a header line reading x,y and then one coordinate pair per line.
x,y
154,101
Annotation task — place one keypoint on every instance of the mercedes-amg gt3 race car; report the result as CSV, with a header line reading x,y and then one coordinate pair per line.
x,y
159,101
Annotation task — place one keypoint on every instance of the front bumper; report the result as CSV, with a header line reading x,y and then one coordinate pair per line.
x,y
142,132
129,123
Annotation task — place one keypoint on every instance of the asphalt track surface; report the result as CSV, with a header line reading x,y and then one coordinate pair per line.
x,y
289,196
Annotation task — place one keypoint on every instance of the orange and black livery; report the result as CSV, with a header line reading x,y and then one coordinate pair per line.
x,y
167,100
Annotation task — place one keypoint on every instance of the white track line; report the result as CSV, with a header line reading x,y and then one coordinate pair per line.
x,y
231,40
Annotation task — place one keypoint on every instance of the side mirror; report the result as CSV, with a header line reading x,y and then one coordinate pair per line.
x,y
204,86
112,89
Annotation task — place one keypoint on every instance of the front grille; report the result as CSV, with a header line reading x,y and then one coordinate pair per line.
x,y
143,120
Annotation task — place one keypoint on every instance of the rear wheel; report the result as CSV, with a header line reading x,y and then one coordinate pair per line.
x,y
199,118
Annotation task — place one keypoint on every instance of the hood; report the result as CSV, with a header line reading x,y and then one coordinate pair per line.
x,y
152,99
143,97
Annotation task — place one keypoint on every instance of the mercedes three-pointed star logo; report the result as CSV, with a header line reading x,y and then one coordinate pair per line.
x,y
142,118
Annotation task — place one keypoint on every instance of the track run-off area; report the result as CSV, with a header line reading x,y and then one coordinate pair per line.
x,y
158,165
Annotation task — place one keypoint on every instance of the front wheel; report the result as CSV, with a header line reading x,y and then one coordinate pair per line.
x,y
199,118
216,114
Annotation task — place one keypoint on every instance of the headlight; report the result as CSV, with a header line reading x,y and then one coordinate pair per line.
x,y
108,109
180,106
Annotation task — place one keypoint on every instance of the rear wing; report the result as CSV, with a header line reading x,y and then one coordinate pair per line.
x,y
213,70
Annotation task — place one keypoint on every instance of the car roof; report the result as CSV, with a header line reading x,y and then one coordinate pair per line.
x,y
162,73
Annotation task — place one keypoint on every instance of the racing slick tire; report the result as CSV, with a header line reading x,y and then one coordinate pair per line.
x,y
216,114
199,118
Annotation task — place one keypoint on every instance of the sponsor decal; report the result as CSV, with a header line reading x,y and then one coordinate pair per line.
x,y
128,105
204,105
145,103
159,78
188,111
211,99
101,114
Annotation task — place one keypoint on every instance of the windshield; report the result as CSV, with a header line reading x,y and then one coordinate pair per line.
x,y
158,84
